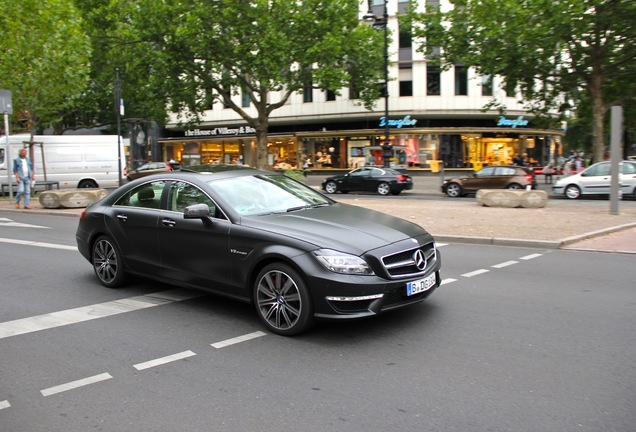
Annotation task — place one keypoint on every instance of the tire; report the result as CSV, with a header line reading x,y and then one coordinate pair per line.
x,y
396,192
331,187
514,186
572,192
108,262
383,189
453,190
282,300
87,184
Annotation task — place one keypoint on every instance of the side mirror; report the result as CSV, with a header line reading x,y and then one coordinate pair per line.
x,y
196,211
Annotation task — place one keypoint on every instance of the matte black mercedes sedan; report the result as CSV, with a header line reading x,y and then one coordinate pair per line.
x,y
260,237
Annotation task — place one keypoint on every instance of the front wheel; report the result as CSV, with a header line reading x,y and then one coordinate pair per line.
x,y
108,263
514,186
282,300
384,188
453,190
87,184
572,192
331,187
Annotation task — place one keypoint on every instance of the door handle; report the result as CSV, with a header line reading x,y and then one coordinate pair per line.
x,y
122,218
168,222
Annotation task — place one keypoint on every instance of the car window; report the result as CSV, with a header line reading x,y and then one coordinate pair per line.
x,y
375,172
147,195
361,172
601,169
485,172
182,195
505,171
628,168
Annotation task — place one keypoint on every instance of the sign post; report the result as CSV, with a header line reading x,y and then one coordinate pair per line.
x,y
6,106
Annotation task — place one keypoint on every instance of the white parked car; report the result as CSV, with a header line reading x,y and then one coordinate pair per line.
x,y
596,180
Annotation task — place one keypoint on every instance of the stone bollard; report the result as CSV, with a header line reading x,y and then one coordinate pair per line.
x,y
512,198
70,198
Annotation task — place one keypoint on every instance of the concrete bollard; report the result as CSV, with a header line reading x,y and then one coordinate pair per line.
x,y
511,198
70,198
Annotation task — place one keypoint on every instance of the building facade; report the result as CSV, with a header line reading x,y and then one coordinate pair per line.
x,y
434,116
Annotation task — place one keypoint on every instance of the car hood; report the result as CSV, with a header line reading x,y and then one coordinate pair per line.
x,y
341,227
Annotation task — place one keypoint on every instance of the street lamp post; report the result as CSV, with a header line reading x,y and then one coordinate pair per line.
x,y
372,19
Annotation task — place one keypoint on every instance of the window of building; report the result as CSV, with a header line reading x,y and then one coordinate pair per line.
x,y
330,95
308,91
433,80
461,80
406,88
245,98
486,85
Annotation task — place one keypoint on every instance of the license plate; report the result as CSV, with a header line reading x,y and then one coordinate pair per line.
x,y
420,285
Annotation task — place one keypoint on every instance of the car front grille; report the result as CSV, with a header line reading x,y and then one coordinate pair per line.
x,y
404,264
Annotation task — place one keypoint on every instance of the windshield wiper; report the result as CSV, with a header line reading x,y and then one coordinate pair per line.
x,y
305,207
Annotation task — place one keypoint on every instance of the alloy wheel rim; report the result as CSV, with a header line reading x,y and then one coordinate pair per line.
x,y
278,300
105,261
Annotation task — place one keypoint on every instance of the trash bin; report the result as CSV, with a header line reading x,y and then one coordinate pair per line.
x,y
477,165
435,165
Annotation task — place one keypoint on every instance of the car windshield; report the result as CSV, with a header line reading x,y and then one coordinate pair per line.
x,y
265,194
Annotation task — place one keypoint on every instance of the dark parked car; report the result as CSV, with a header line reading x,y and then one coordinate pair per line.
x,y
152,168
369,179
492,177
260,237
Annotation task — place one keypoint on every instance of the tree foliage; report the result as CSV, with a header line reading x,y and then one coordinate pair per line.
x,y
267,49
557,53
44,58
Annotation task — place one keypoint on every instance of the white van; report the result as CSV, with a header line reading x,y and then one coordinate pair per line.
x,y
75,161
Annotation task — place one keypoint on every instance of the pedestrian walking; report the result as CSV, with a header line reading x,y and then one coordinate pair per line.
x,y
548,171
24,175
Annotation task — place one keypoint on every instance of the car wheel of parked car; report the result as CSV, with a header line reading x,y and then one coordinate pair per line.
x,y
331,187
87,184
453,190
282,300
108,263
514,186
572,192
384,188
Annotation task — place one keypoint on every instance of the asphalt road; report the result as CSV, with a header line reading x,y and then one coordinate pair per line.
x,y
515,340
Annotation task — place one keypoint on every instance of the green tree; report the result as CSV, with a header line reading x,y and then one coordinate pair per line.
x,y
264,49
44,58
557,53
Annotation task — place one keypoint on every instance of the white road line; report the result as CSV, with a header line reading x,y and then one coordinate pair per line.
x,y
4,222
76,384
87,313
164,360
448,280
531,256
441,244
4,404
37,244
475,273
238,339
505,264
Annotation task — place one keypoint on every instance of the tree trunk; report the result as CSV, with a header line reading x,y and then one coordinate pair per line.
x,y
261,146
598,116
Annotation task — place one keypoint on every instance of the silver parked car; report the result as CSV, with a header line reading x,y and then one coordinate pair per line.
x,y
596,180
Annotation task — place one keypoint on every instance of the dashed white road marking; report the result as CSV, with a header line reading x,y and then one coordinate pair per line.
x,y
531,256
5,222
37,244
76,384
4,404
164,360
238,339
475,273
505,264
448,280
100,310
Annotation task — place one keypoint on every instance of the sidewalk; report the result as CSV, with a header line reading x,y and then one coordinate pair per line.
x,y
584,224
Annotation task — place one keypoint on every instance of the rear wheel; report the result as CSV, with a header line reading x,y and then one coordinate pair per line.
x,y
331,187
108,262
453,190
87,184
514,186
572,192
282,300
384,188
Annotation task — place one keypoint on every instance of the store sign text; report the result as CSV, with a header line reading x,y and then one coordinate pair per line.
x,y
406,121
221,131
513,123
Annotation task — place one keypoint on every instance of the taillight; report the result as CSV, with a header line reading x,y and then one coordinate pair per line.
x,y
82,215
529,177
401,178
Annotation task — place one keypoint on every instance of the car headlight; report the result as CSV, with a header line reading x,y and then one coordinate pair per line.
x,y
339,262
